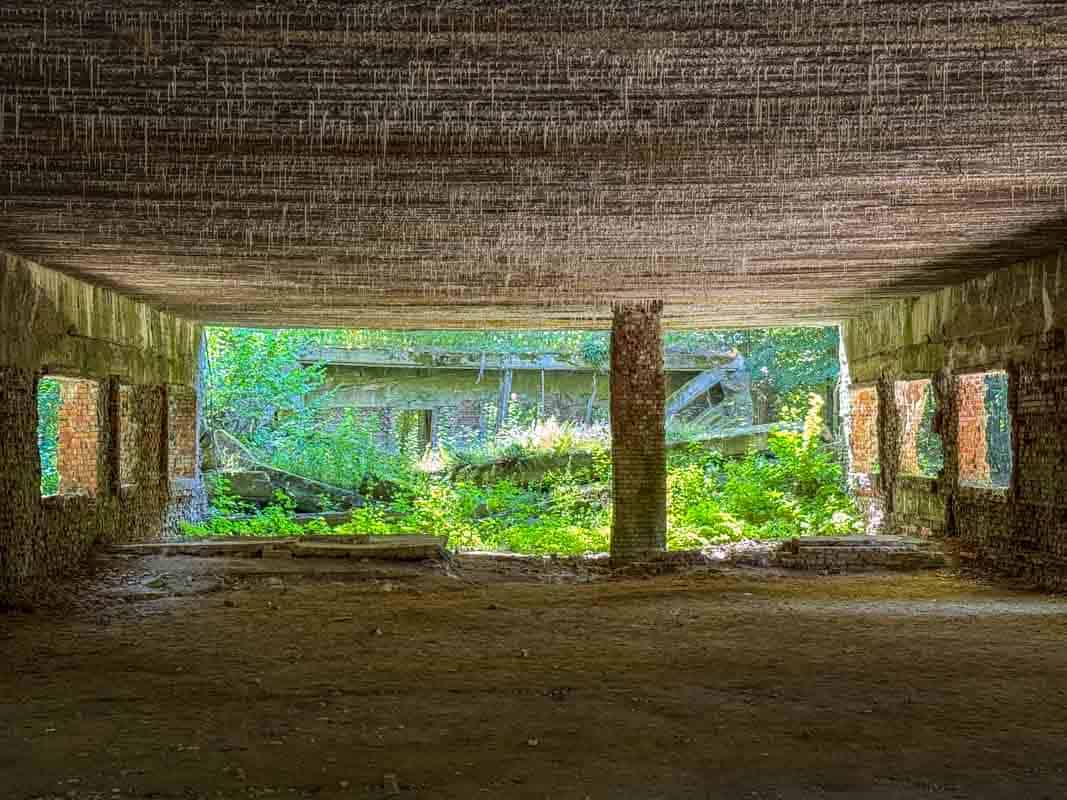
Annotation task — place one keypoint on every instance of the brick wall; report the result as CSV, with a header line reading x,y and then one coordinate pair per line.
x,y
638,438
910,403
1012,320
181,432
971,447
863,432
78,459
54,325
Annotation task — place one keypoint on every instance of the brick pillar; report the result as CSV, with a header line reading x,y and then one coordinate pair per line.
x,y
971,444
638,437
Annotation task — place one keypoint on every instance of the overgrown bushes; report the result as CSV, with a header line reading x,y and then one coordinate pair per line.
x,y
795,489
258,391
48,433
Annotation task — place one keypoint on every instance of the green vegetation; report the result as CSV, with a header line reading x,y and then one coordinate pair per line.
x,y
998,428
48,433
258,391
931,453
796,489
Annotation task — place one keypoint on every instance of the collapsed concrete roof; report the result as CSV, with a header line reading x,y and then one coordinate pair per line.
x,y
466,164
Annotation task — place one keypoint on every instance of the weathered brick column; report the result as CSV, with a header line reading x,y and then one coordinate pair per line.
x,y
638,437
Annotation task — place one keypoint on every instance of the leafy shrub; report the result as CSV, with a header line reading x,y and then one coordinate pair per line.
x,y
274,520
48,433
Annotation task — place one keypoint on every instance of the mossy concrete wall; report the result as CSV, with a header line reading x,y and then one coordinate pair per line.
x,y
1012,320
51,324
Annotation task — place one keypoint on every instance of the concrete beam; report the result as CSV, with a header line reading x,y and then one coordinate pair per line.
x,y
433,358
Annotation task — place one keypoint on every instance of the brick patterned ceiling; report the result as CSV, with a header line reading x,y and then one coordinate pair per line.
x,y
470,163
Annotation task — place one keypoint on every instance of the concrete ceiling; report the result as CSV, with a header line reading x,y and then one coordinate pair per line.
x,y
429,164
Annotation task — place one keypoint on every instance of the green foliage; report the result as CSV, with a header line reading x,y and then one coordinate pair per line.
x,y
258,391
998,428
930,451
787,364
274,520
48,433
796,490
223,501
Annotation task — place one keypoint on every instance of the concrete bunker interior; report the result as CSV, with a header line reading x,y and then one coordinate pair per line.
x,y
898,170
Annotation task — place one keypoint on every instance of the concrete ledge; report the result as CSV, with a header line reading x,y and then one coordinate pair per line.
x,y
857,553
390,548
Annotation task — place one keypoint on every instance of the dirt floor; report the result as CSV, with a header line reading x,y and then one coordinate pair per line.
x,y
216,678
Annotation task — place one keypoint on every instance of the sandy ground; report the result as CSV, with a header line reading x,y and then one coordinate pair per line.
x,y
204,678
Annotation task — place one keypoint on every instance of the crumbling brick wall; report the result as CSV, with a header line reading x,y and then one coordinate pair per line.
x,y
54,325
864,456
971,447
79,436
181,431
910,403
863,434
638,435
1011,320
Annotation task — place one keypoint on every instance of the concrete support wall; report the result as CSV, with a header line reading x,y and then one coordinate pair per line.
x,y
113,426
1011,320
638,436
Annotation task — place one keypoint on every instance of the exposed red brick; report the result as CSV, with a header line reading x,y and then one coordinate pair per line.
x,y
181,431
911,402
638,435
863,433
971,446
78,459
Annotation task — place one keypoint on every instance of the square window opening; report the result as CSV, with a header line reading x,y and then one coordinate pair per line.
x,y
921,450
984,430
68,435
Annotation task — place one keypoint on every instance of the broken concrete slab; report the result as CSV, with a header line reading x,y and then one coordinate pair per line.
x,y
856,553
390,548
410,551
